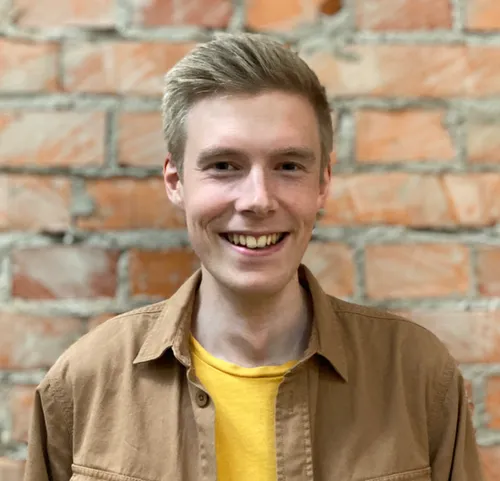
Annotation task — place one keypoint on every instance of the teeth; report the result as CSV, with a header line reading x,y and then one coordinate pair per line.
x,y
254,242
262,241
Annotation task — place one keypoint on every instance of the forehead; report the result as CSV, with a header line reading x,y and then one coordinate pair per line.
x,y
266,120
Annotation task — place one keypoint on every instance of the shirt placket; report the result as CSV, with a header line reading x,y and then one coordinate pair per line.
x,y
294,460
204,413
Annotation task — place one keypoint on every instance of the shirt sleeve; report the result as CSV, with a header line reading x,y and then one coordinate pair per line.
x,y
454,453
50,441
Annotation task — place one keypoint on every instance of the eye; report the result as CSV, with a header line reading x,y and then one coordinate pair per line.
x,y
223,166
290,166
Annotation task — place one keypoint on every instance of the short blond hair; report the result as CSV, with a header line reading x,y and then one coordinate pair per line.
x,y
239,64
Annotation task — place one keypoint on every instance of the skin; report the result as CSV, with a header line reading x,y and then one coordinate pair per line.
x,y
251,165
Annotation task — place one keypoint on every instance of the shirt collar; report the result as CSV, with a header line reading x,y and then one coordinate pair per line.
x,y
172,327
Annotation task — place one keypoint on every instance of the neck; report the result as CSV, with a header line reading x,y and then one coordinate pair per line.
x,y
252,330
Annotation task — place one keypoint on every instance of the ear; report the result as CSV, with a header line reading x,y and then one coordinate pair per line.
x,y
324,188
173,183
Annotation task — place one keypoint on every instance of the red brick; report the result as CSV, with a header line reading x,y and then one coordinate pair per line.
x,y
11,470
333,265
483,15
133,68
493,402
21,406
32,342
281,14
414,200
471,337
475,198
54,13
410,70
402,136
488,273
98,320
403,14
160,273
204,13
34,203
27,67
413,271
55,139
64,272
490,457
140,140
483,141
130,204
391,198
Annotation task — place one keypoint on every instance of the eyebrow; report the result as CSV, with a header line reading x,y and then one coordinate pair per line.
x,y
213,153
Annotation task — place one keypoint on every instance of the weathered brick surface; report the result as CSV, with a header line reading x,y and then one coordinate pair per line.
x,y
483,15
402,136
21,406
488,262
471,337
493,402
333,265
407,271
32,342
11,470
413,214
55,139
129,204
120,67
410,71
491,462
483,140
415,200
28,67
403,15
35,203
54,13
160,273
281,14
64,272
140,139
204,13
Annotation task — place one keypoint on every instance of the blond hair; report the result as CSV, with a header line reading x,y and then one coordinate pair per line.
x,y
239,64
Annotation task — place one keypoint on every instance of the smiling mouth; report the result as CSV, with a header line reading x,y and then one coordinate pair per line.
x,y
255,242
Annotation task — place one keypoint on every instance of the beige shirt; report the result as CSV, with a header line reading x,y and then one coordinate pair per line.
x,y
375,397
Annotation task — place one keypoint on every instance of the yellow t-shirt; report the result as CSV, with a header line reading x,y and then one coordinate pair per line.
x,y
244,401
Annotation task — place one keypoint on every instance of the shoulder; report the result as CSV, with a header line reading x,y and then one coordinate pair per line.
x,y
106,349
381,336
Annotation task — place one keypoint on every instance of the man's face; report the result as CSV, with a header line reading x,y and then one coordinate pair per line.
x,y
250,188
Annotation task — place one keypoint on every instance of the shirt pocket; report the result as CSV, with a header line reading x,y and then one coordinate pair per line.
x,y
82,473
423,474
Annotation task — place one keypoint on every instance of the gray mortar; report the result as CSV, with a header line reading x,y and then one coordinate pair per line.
x,y
5,275
123,286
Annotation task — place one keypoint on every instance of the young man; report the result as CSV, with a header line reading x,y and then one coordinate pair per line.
x,y
250,371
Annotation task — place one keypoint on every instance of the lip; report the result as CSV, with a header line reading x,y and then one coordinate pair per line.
x,y
268,251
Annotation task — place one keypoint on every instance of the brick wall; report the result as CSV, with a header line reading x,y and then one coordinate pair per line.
x,y
86,230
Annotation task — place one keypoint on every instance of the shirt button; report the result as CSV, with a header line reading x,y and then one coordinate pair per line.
x,y
201,399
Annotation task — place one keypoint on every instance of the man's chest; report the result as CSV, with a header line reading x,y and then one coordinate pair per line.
x,y
162,426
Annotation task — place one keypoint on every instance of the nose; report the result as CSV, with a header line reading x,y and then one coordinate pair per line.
x,y
256,195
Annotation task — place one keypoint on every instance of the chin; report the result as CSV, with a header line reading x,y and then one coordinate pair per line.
x,y
256,284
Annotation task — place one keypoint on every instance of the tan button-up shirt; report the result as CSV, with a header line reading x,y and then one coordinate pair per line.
x,y
375,397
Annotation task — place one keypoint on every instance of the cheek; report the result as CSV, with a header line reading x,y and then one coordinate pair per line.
x,y
203,206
